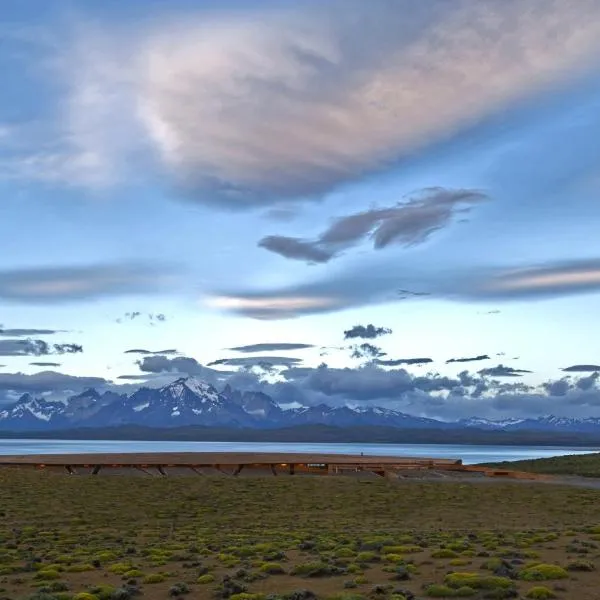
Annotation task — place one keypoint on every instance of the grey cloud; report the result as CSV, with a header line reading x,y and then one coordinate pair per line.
x,y
366,332
29,347
468,359
270,347
582,368
66,284
47,381
375,283
249,361
586,383
503,371
406,224
371,382
143,351
45,364
366,350
24,348
140,377
560,387
295,248
322,93
67,348
27,332
136,314
402,361
538,281
180,364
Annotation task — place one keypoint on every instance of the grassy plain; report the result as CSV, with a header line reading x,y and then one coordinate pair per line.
x,y
583,465
115,538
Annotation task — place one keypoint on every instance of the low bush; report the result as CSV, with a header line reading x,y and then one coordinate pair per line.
x,y
543,572
540,593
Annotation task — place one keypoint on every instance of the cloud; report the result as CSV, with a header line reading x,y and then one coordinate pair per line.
x,y
270,347
27,332
65,284
47,381
297,249
179,364
567,277
402,361
298,99
67,348
151,317
407,224
45,364
468,359
502,371
31,347
586,383
366,350
370,382
582,369
249,361
375,283
367,332
142,351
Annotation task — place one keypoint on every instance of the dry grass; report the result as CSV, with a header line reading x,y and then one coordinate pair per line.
x,y
154,533
584,465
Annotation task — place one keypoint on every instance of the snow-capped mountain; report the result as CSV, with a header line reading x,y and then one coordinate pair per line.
x,y
186,401
190,401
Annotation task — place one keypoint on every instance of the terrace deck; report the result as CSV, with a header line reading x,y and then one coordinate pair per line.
x,y
233,463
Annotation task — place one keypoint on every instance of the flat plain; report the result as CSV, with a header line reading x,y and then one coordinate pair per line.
x,y
113,538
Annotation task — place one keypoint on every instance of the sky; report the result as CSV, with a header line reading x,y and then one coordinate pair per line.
x,y
331,201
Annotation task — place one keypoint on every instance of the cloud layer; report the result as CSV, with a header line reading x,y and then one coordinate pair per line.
x,y
31,347
64,284
294,101
377,283
406,224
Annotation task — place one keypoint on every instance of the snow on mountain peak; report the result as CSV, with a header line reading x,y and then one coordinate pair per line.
x,y
198,388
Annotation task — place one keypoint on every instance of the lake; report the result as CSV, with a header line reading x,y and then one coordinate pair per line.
x,y
468,454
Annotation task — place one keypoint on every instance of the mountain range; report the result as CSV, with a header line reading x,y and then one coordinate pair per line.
x,y
189,401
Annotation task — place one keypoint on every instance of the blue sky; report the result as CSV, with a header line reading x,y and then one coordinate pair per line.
x,y
275,172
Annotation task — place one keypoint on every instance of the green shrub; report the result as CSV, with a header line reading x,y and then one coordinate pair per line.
x,y
247,596
394,558
203,579
543,572
465,591
444,553
179,589
361,580
120,568
47,574
154,578
492,564
366,557
316,569
133,573
103,592
272,568
581,565
539,593
79,568
439,591
85,596
474,580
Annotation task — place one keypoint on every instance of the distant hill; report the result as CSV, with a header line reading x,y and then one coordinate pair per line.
x,y
315,434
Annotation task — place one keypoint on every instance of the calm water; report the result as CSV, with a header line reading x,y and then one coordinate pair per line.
x,y
469,454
